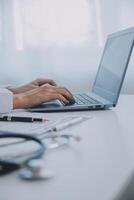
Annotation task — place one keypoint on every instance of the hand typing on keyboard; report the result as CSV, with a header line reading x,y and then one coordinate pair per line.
x,y
70,102
70,99
42,91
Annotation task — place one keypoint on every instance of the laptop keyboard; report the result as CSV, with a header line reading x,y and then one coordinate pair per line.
x,y
82,99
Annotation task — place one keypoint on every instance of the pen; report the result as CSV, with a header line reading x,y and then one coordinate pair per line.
x,y
67,124
21,119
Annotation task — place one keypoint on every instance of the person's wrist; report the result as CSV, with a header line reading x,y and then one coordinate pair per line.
x,y
14,90
18,102
21,89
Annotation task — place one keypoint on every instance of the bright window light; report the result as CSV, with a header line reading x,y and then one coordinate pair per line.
x,y
45,23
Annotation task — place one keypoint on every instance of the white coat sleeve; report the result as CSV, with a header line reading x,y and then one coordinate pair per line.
x,y
6,100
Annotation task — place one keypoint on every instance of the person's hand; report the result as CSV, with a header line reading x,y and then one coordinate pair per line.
x,y
40,95
32,85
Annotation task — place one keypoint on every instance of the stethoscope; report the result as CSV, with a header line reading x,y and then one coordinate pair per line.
x,y
32,168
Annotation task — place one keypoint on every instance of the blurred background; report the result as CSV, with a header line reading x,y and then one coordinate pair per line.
x,y
59,39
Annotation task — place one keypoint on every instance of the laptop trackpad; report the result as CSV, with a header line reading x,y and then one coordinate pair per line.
x,y
50,104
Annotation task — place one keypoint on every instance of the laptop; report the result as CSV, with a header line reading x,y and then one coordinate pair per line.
x,y
109,78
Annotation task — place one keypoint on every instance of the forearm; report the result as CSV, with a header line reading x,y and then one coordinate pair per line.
x,y
30,86
18,90
24,100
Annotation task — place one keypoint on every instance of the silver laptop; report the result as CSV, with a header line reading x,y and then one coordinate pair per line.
x,y
109,79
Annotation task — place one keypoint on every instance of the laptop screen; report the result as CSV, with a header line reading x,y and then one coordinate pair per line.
x,y
113,66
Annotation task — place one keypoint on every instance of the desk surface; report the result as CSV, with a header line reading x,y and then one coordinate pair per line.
x,y
94,169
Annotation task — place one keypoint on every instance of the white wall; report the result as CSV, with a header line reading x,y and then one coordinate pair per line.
x,y
73,66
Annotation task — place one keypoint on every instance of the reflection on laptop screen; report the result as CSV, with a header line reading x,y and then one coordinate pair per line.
x,y
113,66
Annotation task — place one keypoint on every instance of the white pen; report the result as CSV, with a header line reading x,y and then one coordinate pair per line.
x,y
67,124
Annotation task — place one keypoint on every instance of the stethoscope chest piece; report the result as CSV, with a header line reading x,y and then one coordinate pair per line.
x,y
35,170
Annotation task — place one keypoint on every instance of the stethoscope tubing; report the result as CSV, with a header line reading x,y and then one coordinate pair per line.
x,y
9,166
38,154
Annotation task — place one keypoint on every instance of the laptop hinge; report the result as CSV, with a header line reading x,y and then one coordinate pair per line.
x,y
100,99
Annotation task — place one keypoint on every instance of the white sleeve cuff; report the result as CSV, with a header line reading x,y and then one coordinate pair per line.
x,y
6,100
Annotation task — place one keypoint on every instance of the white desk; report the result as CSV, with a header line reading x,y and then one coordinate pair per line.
x,y
94,169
